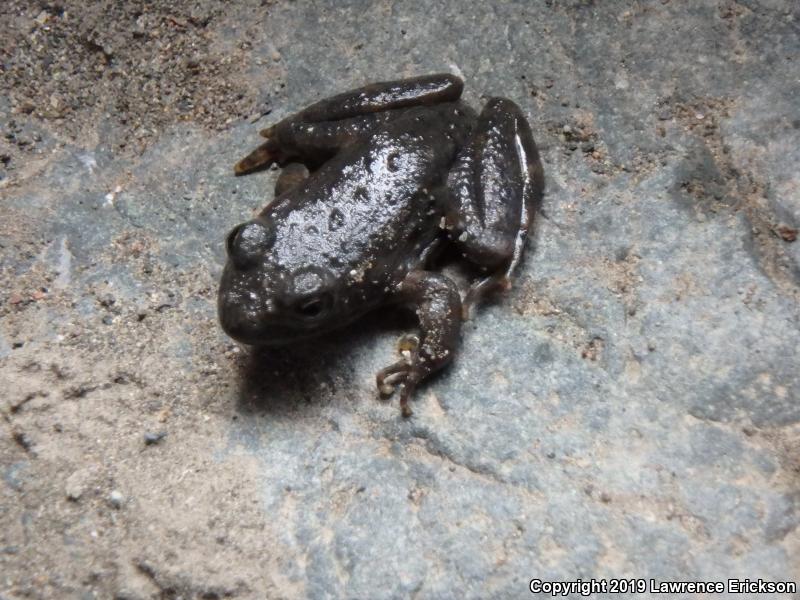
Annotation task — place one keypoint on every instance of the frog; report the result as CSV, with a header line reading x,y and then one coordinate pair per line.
x,y
376,183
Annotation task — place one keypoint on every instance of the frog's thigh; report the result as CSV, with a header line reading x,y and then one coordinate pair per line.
x,y
320,130
316,133
308,143
312,142
495,188
386,95
438,308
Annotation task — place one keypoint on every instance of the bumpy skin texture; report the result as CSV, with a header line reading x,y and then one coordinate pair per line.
x,y
391,172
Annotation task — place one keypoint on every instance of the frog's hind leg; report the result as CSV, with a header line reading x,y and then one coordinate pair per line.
x,y
386,95
495,188
316,133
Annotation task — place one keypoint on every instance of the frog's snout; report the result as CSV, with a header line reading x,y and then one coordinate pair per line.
x,y
247,243
238,326
244,316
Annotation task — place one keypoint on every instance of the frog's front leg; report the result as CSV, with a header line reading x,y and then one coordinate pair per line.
x,y
314,134
438,308
495,188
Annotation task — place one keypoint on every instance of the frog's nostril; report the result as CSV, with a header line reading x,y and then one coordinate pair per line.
x,y
248,242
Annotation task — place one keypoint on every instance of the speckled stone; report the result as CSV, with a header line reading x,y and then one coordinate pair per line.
x,y
629,409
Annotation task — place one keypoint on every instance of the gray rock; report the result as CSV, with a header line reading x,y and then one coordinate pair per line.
x,y
629,408
154,437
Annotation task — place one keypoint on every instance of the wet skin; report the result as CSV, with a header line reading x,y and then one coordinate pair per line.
x,y
375,182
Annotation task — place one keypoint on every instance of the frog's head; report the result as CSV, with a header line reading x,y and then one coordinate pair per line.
x,y
265,303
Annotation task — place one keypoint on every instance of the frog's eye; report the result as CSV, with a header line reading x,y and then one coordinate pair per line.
x,y
248,242
314,307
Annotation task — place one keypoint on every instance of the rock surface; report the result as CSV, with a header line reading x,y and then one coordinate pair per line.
x,y
629,409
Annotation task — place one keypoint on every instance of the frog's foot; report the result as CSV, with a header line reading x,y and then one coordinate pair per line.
x,y
495,188
397,374
389,377
259,159
438,308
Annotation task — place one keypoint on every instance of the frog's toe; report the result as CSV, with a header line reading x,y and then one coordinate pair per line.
x,y
403,375
405,396
260,158
388,378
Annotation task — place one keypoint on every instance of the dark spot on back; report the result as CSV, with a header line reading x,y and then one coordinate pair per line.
x,y
333,260
335,219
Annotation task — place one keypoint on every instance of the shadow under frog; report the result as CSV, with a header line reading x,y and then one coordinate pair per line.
x,y
298,378
377,183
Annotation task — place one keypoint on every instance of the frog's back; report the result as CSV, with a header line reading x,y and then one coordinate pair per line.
x,y
372,207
